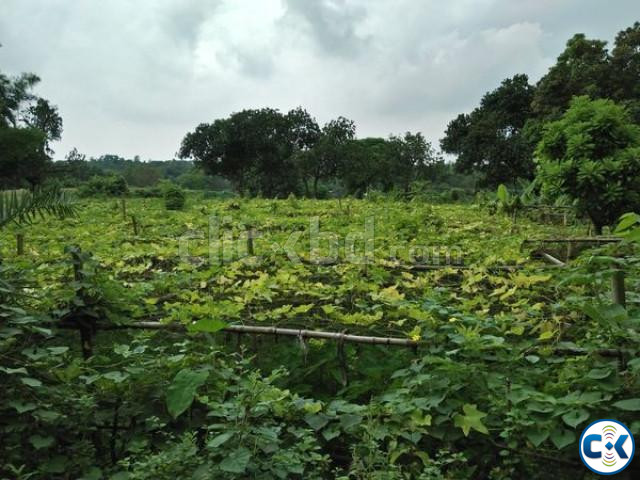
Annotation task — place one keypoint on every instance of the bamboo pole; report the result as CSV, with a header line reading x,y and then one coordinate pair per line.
x,y
552,259
20,243
258,330
573,240
617,287
250,235
134,222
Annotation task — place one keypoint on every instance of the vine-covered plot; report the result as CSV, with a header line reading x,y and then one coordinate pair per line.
x,y
512,363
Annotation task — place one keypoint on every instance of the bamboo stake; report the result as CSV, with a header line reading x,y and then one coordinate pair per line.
x,y
134,221
250,235
617,287
20,243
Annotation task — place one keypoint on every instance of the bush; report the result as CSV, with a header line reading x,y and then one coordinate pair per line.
x,y
148,192
592,156
174,198
114,185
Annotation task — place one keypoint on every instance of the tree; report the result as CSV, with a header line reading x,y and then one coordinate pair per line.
x,y
407,159
581,69
489,139
23,158
323,161
625,66
250,148
362,164
27,126
592,155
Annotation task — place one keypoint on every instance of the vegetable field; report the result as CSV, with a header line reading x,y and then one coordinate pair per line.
x,y
501,358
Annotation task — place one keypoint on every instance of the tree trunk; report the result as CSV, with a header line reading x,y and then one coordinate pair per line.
x,y
597,229
306,187
315,187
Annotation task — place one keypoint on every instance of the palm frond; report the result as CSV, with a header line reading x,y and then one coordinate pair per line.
x,y
23,207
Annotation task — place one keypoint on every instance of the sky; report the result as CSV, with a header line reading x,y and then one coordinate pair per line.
x,y
133,77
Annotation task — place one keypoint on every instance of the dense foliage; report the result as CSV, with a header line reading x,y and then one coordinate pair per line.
x,y
28,124
592,155
265,152
511,366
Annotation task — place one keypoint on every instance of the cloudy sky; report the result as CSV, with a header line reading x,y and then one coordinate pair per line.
x,y
132,77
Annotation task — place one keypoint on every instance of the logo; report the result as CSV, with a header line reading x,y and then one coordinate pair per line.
x,y
606,447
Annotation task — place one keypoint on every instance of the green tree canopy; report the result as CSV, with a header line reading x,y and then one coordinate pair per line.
x,y
28,124
489,139
592,154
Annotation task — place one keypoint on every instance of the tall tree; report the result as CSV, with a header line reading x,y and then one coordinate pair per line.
x,y
28,124
581,69
489,139
323,161
625,66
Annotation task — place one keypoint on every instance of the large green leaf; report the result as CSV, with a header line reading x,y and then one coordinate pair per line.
x,y
183,389
236,461
210,325
630,404
574,418
472,418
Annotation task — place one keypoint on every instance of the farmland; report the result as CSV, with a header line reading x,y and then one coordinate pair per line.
x,y
509,356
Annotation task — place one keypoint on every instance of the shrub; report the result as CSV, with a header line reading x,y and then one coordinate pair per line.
x,y
174,198
592,156
114,185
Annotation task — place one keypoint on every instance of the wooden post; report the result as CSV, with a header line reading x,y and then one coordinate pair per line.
x,y
569,250
85,328
20,243
250,234
617,287
134,222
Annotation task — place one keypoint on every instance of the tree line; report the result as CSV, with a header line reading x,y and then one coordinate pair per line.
x,y
274,154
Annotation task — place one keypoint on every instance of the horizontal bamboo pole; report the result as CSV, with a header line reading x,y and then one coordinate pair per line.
x,y
254,329
573,240
552,259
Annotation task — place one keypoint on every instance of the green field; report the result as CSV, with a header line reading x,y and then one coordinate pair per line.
x,y
513,355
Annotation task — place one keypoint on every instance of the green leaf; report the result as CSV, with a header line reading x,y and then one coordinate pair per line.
x,y
117,377
183,389
317,421
575,417
219,440
210,325
471,419
236,461
537,436
32,382
349,420
41,442
599,373
630,404
532,358
22,407
561,438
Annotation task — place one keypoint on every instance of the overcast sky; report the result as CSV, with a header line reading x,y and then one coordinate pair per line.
x,y
132,77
